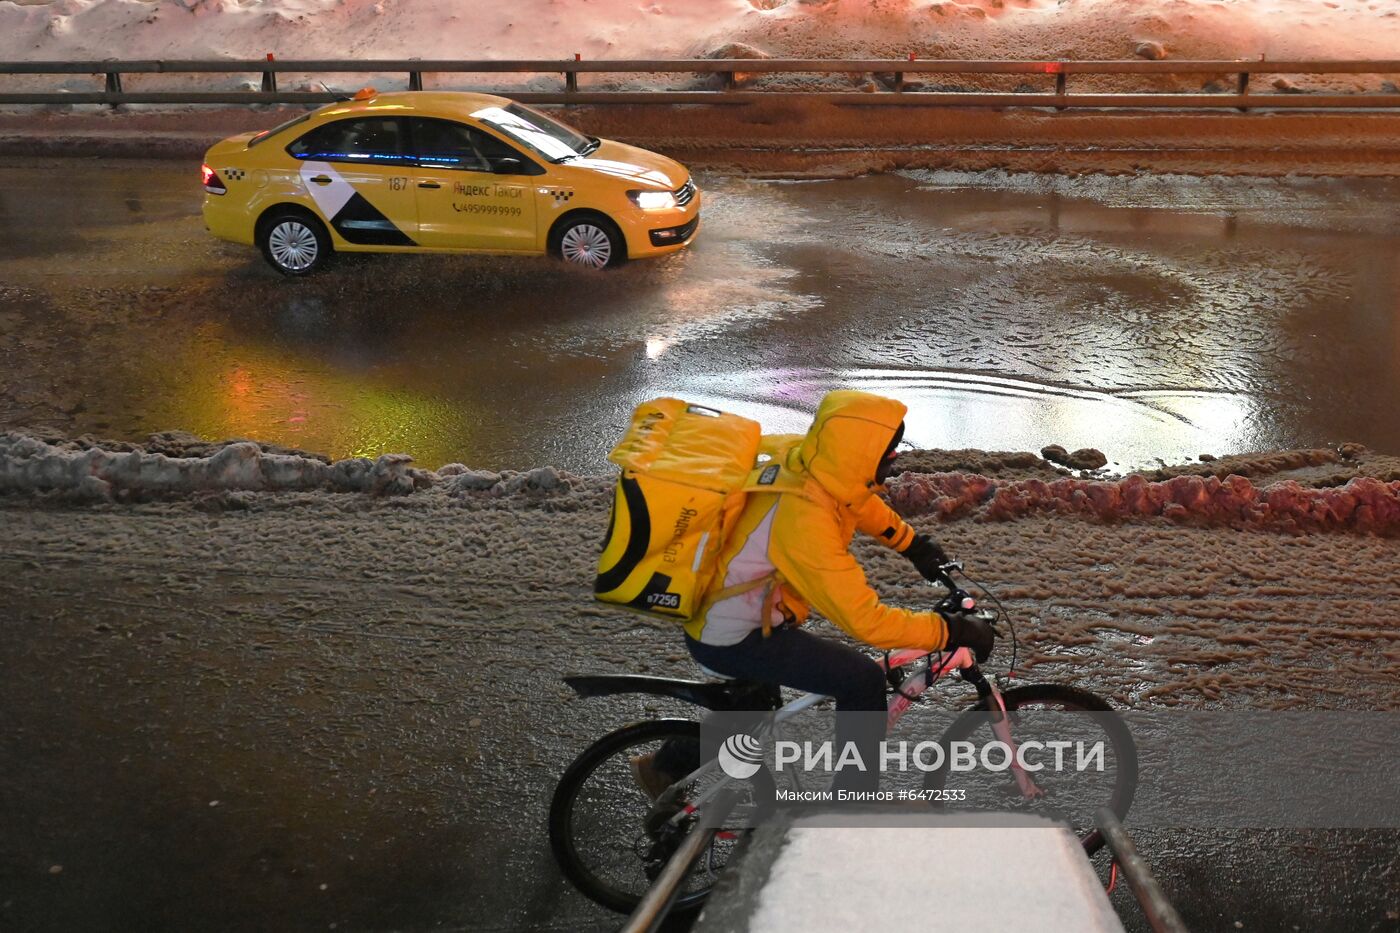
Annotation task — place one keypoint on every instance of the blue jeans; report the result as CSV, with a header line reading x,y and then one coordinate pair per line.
x,y
791,657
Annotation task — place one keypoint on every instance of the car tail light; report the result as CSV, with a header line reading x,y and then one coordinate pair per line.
x,y
210,178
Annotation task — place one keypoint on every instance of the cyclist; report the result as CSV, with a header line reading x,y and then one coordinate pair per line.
x,y
790,554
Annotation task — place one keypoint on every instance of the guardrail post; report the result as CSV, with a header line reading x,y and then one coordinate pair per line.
x,y
898,81
729,82
113,85
415,80
571,76
1242,88
269,78
1060,85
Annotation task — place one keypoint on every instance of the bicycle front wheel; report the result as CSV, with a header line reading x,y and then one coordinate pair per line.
x,y
598,821
1067,793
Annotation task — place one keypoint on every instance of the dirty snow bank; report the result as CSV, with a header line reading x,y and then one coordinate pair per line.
x,y
1364,504
173,464
1211,494
28,464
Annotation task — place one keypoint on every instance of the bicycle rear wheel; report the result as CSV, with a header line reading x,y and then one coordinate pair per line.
x,y
597,821
1071,795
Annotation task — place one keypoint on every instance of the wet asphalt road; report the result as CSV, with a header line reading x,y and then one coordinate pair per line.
x,y
1151,318
339,713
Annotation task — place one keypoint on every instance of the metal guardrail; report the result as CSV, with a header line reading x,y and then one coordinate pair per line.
x,y
898,92
1161,915
656,903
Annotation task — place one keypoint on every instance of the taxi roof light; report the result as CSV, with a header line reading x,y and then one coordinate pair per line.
x,y
366,93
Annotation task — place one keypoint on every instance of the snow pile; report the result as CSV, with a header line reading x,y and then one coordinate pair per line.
x,y
539,482
1364,504
1262,464
619,29
86,471
31,465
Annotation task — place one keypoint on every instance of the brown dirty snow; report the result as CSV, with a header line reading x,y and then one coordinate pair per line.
x,y
369,685
1146,610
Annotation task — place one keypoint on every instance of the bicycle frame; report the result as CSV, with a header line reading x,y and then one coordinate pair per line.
x,y
910,690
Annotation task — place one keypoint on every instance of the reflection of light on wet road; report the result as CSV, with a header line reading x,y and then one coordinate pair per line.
x,y
258,392
657,346
1150,318
952,409
1215,414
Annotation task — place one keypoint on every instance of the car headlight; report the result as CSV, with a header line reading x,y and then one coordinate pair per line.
x,y
652,200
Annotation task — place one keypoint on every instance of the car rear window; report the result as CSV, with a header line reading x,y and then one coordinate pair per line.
x,y
268,134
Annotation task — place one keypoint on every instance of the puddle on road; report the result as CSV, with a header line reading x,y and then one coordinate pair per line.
x,y
950,410
1151,318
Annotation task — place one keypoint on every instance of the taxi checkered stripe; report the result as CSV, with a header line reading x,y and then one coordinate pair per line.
x,y
234,174
560,195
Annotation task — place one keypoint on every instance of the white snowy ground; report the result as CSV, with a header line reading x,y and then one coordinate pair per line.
x,y
552,29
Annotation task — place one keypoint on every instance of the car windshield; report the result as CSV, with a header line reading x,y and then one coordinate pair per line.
x,y
532,129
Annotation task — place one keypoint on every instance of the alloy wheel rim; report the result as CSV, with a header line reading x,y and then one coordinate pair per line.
x,y
293,245
586,245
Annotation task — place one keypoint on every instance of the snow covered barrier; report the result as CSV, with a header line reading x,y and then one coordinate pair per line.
x,y
1364,504
30,465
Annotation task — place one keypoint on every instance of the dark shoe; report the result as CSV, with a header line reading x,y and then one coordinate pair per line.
x,y
652,782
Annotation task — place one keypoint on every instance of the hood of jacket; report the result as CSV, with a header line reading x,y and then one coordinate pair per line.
x,y
842,449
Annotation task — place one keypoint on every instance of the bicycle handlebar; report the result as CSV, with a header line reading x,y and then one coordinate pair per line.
x,y
959,602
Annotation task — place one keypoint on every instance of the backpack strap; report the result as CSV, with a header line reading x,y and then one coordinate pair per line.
x,y
772,584
771,598
737,589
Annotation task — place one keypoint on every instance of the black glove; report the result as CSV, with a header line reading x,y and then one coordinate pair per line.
x,y
966,631
927,557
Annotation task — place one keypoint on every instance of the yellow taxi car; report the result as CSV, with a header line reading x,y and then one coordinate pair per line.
x,y
429,171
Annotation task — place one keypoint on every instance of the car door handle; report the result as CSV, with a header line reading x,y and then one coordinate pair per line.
x,y
322,179
429,184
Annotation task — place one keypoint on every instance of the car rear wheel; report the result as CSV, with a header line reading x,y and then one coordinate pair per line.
x,y
590,241
294,243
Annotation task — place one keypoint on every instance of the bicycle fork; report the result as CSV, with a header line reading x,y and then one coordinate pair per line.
x,y
961,660
1001,728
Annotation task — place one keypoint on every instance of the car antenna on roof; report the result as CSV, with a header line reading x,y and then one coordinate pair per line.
x,y
339,95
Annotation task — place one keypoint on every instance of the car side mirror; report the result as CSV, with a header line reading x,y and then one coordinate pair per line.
x,y
507,166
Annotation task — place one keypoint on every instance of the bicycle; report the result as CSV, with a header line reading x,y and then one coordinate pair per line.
x,y
616,870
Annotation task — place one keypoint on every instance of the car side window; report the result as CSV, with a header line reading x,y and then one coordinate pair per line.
x,y
444,144
449,145
367,140
494,150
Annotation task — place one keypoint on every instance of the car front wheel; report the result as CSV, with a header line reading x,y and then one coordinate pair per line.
x,y
294,243
593,242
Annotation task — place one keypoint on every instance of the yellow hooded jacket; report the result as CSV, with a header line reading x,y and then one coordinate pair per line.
x,y
795,531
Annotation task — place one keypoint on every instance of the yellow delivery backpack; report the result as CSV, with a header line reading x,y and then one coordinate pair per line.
x,y
684,469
